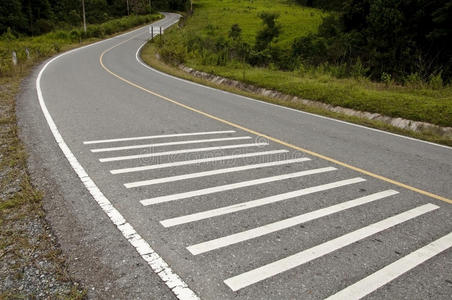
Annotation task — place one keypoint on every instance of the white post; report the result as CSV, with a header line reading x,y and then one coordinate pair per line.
x,y
128,12
14,58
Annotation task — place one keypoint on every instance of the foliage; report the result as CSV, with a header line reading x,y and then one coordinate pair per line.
x,y
337,5
396,37
31,17
269,32
307,62
30,49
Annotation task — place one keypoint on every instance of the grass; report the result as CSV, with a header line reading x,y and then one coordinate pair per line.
x,y
217,17
212,19
427,105
20,202
149,55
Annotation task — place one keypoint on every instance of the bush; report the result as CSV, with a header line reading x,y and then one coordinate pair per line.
x,y
435,81
173,51
358,70
75,35
414,80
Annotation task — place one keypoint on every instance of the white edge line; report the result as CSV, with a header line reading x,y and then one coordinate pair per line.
x,y
283,107
158,265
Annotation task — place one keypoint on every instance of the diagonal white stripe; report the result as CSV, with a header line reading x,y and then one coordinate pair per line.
x,y
213,172
256,203
147,155
237,185
378,279
170,144
248,278
283,224
195,161
155,137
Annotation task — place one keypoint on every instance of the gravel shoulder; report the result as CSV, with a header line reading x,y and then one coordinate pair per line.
x,y
32,264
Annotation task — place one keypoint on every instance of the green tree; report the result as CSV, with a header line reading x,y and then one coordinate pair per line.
x,y
11,16
269,32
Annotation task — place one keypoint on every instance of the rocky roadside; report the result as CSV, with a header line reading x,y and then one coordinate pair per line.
x,y
32,265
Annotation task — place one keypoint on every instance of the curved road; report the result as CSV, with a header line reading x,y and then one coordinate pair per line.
x,y
225,197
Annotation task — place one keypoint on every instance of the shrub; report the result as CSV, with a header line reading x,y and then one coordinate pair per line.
x,y
435,81
414,80
386,79
358,70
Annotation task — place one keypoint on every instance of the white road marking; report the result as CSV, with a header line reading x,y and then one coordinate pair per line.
x,y
158,265
156,137
213,172
383,276
284,224
251,277
256,203
147,155
232,186
170,144
195,161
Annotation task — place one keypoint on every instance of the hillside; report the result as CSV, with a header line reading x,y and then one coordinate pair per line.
x,y
205,42
216,17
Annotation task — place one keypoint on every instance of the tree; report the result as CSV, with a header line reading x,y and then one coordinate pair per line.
x,y
235,32
396,37
270,31
11,16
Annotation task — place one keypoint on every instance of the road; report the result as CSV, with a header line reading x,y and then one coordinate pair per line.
x,y
225,197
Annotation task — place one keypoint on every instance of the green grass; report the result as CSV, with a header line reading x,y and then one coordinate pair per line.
x,y
428,105
149,55
213,18
217,17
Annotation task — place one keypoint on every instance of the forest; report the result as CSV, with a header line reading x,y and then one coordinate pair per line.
x,y
35,17
395,38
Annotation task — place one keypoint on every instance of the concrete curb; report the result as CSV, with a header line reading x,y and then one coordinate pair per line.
x,y
416,126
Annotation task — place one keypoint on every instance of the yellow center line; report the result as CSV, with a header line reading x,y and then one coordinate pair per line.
x,y
315,154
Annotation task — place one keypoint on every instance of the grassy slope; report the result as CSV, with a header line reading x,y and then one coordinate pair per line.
x,y
20,203
222,14
419,104
149,55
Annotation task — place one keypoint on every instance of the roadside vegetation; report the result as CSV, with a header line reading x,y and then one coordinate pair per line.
x,y
31,263
353,54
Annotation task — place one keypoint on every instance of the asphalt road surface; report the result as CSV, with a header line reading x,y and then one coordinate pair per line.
x,y
225,197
